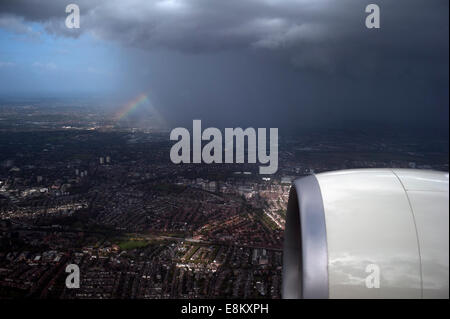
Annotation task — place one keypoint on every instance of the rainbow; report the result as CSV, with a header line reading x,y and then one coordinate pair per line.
x,y
131,106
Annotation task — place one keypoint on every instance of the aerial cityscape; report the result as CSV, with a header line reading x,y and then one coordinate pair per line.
x,y
78,188
149,148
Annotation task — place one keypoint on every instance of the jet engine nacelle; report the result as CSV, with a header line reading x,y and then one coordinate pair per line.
x,y
375,233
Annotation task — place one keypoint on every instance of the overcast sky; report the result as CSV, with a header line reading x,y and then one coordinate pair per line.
x,y
262,63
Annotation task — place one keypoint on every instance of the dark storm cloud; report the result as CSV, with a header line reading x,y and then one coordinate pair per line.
x,y
316,32
310,59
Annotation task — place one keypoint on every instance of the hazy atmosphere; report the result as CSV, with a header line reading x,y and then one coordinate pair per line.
x,y
287,64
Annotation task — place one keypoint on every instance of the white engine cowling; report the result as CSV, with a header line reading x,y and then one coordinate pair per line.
x,y
370,233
